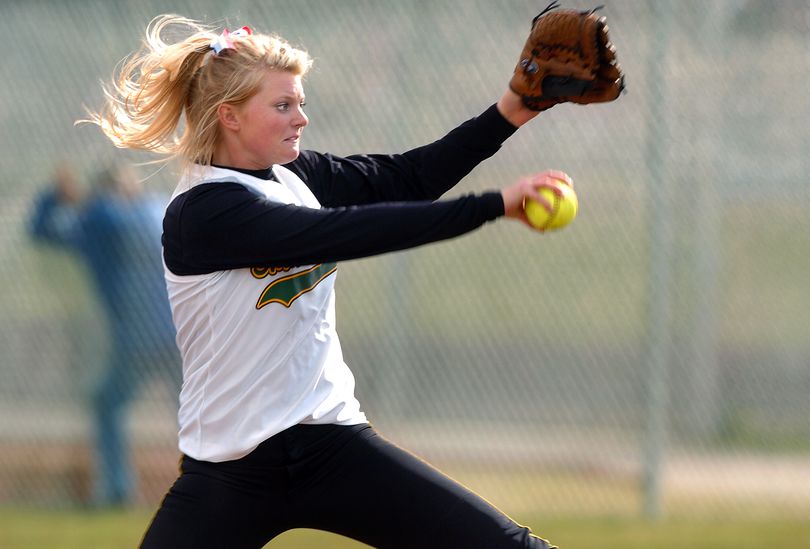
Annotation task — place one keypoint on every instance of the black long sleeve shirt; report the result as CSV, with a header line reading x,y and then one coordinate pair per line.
x,y
371,204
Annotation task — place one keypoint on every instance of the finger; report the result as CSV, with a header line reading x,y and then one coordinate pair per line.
x,y
608,72
606,47
533,194
559,176
608,53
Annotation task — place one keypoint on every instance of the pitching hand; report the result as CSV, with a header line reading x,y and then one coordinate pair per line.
x,y
516,194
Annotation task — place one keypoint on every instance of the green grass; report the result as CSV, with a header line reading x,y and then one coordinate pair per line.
x,y
30,529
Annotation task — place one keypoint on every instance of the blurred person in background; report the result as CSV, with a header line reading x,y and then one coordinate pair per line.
x,y
115,231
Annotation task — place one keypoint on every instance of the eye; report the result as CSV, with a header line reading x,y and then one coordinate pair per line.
x,y
282,107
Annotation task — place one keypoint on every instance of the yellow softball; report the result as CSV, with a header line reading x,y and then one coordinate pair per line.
x,y
563,209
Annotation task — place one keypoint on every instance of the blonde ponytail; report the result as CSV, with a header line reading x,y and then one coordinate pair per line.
x,y
166,85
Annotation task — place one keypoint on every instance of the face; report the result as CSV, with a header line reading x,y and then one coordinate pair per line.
x,y
270,123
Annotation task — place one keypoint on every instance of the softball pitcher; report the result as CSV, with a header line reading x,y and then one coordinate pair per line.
x,y
272,435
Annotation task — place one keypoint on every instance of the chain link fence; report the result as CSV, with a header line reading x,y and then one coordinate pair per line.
x,y
653,357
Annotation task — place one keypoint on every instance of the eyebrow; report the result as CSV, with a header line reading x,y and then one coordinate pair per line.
x,y
290,97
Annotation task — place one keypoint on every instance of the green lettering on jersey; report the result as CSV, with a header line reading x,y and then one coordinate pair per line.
x,y
288,288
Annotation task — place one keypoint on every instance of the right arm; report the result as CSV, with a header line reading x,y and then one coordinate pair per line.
x,y
220,226
223,226
422,173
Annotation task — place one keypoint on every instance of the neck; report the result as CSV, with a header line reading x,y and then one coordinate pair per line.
x,y
264,173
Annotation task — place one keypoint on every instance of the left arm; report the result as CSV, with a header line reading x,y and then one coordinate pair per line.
x,y
423,173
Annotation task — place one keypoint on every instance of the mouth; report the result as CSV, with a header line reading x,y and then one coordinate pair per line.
x,y
293,139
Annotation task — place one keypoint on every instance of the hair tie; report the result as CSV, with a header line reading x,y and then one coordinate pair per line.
x,y
225,40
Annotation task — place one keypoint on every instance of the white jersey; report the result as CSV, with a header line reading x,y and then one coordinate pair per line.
x,y
259,345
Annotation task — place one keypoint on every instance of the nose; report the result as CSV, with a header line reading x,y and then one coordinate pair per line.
x,y
301,119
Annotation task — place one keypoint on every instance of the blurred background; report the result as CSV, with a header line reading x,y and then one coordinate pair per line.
x,y
652,359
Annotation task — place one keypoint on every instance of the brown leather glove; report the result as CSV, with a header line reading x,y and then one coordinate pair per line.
x,y
568,57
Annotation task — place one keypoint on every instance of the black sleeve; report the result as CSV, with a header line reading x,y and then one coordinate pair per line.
x,y
219,226
423,173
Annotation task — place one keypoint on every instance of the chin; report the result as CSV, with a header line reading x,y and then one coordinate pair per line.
x,y
289,157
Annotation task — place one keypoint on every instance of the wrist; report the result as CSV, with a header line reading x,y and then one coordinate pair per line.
x,y
511,107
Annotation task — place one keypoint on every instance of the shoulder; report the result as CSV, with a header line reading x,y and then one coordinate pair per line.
x,y
203,202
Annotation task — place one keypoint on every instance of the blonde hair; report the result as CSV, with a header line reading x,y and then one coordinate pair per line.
x,y
165,82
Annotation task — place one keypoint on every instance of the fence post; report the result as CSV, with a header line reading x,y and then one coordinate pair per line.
x,y
658,335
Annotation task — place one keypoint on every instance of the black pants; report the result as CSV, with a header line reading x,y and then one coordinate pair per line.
x,y
347,480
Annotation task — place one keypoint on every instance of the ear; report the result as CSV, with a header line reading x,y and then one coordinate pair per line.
x,y
228,116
